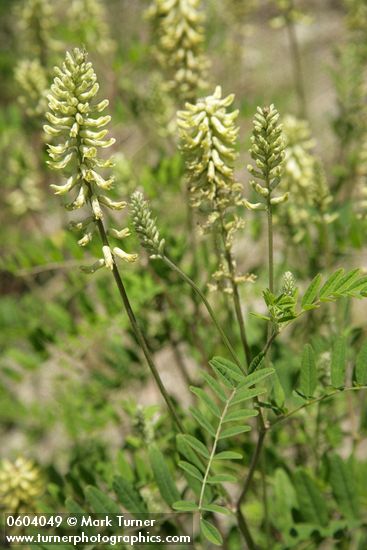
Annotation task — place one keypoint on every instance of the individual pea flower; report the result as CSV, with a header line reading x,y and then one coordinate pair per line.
x,y
222,278
179,34
267,150
21,484
75,119
289,284
208,135
146,226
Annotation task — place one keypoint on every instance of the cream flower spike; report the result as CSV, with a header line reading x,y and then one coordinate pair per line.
x,y
267,150
74,118
208,136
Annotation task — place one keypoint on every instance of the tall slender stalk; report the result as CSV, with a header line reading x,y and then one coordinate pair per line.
x,y
236,295
138,333
205,301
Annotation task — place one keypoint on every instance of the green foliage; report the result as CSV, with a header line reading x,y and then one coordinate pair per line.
x,y
232,388
308,379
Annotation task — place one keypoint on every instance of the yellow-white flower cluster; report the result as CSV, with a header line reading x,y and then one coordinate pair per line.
x,y
267,151
208,135
304,178
75,119
21,484
179,33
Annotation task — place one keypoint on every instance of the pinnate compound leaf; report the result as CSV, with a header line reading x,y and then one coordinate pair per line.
x,y
308,378
338,362
163,476
310,500
210,532
361,366
343,486
311,293
129,496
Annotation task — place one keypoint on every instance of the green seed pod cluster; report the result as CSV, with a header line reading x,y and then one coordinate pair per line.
x,y
208,135
88,20
146,226
179,34
32,80
75,120
267,151
21,484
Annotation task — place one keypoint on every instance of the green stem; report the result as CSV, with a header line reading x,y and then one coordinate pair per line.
x,y
235,294
193,285
241,519
313,402
214,448
137,331
270,246
250,474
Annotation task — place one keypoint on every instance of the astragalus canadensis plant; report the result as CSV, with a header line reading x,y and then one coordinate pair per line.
x,y
221,445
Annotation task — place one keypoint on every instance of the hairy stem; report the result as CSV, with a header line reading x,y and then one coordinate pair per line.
x,y
235,294
193,285
313,402
214,448
137,331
